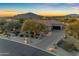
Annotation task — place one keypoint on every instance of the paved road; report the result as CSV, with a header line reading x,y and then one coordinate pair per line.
x,y
54,38
11,48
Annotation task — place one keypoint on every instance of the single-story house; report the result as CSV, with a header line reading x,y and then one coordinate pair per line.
x,y
52,24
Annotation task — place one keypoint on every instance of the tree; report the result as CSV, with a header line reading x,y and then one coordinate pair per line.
x,y
2,22
33,26
12,25
73,28
21,20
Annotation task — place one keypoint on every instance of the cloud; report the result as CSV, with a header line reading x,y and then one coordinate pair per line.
x,y
75,8
8,11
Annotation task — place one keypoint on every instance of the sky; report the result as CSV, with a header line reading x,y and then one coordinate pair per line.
x,y
45,9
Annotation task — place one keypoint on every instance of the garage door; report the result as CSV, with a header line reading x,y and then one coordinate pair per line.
x,y
56,28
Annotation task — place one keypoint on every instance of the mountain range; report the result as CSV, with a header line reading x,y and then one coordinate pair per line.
x,y
27,15
35,16
74,15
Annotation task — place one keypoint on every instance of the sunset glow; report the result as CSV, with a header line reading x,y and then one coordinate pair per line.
x,y
9,12
45,9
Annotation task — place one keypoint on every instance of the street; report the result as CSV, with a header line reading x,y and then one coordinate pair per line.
x,y
11,48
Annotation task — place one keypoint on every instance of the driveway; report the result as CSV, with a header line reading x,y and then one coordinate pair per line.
x,y
55,36
50,41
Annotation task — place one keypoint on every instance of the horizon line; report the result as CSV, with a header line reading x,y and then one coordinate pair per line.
x,y
8,13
